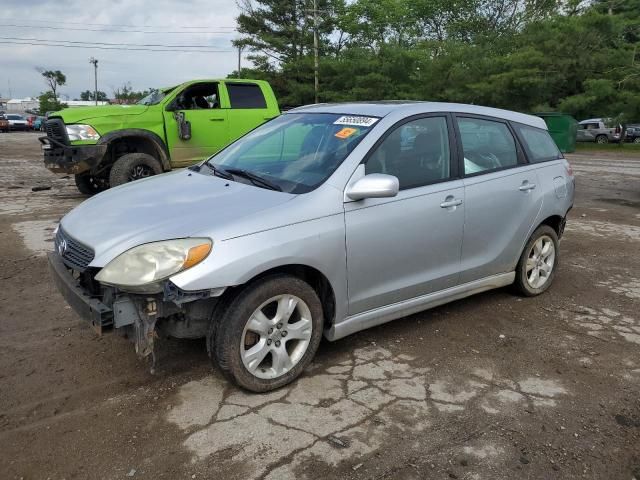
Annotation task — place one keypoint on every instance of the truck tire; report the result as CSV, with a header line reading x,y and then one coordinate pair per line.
x,y
133,166
601,139
90,185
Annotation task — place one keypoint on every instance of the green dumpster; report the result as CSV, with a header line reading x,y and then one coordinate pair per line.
x,y
563,129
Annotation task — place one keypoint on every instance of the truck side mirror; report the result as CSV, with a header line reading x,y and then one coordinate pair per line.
x,y
184,126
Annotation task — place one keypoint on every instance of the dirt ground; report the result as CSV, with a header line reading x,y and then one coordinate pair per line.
x,y
491,387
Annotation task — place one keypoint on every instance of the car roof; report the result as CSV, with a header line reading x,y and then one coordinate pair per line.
x,y
386,107
592,120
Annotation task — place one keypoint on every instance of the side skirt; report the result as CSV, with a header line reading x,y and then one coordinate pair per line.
x,y
380,315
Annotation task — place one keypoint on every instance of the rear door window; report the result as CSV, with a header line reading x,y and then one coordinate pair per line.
x,y
538,144
487,145
246,95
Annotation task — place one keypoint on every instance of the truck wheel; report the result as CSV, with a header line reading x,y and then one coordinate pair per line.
x,y
133,166
602,139
268,333
90,185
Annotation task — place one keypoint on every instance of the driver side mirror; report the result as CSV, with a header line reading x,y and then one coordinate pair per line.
x,y
374,185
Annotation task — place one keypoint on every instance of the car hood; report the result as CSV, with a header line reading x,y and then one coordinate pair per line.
x,y
174,205
77,114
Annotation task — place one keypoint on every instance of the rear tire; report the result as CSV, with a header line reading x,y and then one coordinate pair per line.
x,y
602,139
266,335
133,166
538,263
90,185
636,140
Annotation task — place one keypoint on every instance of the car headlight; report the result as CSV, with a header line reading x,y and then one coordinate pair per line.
x,y
82,132
142,267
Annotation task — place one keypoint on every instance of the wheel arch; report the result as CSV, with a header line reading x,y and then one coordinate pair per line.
x,y
556,222
138,140
314,277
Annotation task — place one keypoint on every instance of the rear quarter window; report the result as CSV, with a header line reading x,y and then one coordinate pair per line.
x,y
246,95
538,144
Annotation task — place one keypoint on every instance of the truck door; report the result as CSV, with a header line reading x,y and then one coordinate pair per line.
x,y
248,107
199,105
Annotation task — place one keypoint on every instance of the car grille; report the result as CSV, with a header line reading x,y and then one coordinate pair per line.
x,y
56,130
74,254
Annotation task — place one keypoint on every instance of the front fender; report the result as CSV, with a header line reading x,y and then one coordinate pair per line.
x,y
317,243
158,143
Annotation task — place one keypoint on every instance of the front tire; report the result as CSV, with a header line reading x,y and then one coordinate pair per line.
x,y
267,334
90,185
133,166
538,263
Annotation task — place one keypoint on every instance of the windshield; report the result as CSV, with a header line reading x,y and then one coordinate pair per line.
x,y
154,97
295,152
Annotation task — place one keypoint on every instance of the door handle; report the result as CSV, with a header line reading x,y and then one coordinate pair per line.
x,y
216,119
451,202
526,186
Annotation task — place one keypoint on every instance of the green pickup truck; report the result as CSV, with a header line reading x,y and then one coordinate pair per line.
x,y
174,127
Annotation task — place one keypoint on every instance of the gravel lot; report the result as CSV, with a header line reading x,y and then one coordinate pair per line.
x,y
491,387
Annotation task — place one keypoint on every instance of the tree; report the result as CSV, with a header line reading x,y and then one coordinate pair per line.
x,y
126,95
49,103
54,79
89,95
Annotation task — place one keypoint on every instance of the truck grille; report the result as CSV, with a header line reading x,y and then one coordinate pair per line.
x,y
56,130
74,254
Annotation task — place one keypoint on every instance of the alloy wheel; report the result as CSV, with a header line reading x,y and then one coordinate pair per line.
x,y
140,171
276,336
540,262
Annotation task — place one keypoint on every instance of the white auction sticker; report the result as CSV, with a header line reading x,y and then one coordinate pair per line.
x,y
356,121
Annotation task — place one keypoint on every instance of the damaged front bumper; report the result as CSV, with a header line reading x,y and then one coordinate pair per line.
x,y
141,317
74,159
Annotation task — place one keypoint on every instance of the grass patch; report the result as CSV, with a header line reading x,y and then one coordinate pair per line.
x,y
608,147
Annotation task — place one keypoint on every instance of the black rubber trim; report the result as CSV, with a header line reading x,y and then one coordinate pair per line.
x,y
90,309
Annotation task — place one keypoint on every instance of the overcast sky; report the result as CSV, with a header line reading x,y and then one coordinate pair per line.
x,y
143,69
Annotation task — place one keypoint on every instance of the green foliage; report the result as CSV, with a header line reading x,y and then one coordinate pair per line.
x,y
53,79
89,95
49,103
127,95
576,56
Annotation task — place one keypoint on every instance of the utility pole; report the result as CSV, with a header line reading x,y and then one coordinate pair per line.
x,y
239,59
315,49
94,61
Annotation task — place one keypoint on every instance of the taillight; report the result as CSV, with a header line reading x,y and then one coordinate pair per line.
x,y
567,167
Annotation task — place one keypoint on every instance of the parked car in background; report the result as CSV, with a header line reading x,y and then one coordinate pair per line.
x,y
4,123
38,123
599,130
17,122
632,134
170,128
329,219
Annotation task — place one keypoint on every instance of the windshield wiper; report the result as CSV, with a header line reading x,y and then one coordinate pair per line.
x,y
254,178
218,172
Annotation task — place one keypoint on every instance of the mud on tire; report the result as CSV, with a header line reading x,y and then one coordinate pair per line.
x,y
133,166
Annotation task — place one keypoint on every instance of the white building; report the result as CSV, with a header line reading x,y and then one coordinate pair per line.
x,y
83,103
21,105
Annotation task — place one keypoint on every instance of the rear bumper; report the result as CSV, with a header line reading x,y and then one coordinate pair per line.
x,y
89,309
61,158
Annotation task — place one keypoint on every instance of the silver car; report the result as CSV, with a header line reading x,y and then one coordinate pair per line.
x,y
599,130
324,221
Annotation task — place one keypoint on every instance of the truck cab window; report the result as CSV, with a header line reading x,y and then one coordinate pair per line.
x,y
203,96
245,95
